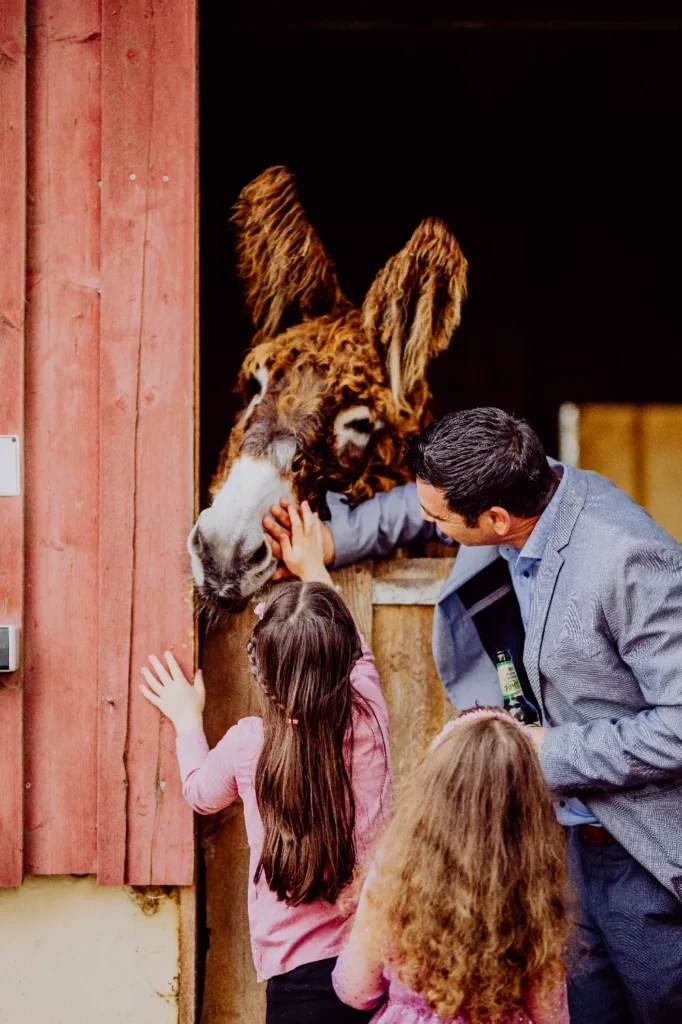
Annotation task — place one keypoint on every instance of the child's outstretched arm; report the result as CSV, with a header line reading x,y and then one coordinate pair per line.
x,y
358,977
208,777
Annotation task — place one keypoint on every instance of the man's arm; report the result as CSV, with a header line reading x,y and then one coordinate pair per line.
x,y
375,527
643,607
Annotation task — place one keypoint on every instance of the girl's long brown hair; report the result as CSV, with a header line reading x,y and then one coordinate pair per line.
x,y
302,653
469,900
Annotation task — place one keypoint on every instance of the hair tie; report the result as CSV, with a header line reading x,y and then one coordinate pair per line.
x,y
466,716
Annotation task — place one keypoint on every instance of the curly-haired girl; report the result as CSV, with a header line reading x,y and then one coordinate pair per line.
x,y
313,773
463,915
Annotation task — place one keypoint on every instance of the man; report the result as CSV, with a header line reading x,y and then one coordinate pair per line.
x,y
585,589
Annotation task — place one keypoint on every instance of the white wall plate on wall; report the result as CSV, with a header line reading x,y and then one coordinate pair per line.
x,y
9,465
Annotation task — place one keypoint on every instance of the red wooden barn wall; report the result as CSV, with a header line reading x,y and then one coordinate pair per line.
x,y
12,233
109,412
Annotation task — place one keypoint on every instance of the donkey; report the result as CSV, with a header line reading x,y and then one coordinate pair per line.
x,y
330,392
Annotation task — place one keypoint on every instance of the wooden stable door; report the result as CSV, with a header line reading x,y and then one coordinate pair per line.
x,y
639,447
393,603
97,188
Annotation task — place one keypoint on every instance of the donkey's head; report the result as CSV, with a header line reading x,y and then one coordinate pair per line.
x,y
330,391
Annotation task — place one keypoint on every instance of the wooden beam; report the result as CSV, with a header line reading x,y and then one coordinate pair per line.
x,y
145,829
62,436
355,582
410,581
12,278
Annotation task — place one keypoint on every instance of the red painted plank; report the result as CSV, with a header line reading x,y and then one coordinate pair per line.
x,y
145,831
62,423
12,273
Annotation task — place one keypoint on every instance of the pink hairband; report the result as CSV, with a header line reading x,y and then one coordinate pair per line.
x,y
468,716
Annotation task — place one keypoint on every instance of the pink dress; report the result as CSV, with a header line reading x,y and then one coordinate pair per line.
x,y
363,981
284,937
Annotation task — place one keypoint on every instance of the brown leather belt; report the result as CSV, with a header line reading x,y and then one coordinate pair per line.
x,y
595,834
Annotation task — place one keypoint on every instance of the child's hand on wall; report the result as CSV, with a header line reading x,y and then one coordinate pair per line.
x,y
303,554
173,695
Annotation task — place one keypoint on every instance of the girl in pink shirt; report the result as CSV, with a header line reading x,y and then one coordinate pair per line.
x,y
463,915
313,773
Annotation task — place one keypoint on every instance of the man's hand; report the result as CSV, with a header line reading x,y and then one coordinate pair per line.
x,y
278,523
170,692
303,554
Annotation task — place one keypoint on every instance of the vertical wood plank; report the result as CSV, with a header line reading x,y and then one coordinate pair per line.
x,y
187,966
231,993
62,426
610,444
662,465
145,829
12,275
355,582
418,706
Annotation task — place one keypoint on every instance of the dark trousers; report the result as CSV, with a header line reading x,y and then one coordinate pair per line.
x,y
306,994
632,971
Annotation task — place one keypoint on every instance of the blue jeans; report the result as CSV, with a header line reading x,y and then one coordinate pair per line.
x,y
632,971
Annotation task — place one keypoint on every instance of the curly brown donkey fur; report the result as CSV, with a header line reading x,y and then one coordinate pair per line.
x,y
331,392
337,356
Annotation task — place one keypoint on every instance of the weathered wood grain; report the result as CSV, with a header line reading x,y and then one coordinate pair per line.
x,y
610,443
62,436
356,586
12,276
662,465
231,994
417,704
187,963
410,581
145,831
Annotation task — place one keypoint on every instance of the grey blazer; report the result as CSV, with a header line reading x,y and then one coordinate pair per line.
x,y
603,651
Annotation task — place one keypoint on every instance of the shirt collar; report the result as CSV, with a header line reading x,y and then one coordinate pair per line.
x,y
534,548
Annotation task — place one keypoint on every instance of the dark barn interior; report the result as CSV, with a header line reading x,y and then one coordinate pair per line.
x,y
550,150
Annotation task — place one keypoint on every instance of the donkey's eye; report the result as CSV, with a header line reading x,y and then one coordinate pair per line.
x,y
353,428
362,426
259,554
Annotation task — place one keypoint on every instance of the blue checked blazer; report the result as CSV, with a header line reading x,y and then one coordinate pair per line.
x,y
602,653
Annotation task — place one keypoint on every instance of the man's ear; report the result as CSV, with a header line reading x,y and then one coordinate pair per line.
x,y
499,519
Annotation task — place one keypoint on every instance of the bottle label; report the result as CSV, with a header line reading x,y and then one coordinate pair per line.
x,y
509,681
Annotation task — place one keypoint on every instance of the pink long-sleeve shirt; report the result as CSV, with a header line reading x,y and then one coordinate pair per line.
x,y
284,937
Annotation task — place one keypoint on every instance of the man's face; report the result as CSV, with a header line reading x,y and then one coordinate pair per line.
x,y
435,509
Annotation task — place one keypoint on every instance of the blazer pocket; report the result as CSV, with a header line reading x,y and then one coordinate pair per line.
x,y
575,644
579,636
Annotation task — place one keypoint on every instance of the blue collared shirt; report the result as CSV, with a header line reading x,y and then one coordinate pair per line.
x,y
523,569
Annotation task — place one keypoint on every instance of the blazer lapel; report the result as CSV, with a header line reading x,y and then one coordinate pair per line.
x,y
548,573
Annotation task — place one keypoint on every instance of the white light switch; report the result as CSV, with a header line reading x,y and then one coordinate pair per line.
x,y
9,465
9,648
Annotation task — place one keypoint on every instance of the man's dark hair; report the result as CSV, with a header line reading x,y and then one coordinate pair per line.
x,y
484,457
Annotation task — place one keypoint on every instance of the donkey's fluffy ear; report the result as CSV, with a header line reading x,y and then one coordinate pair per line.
x,y
287,274
415,304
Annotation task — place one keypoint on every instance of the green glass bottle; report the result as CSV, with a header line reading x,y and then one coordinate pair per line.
x,y
514,701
